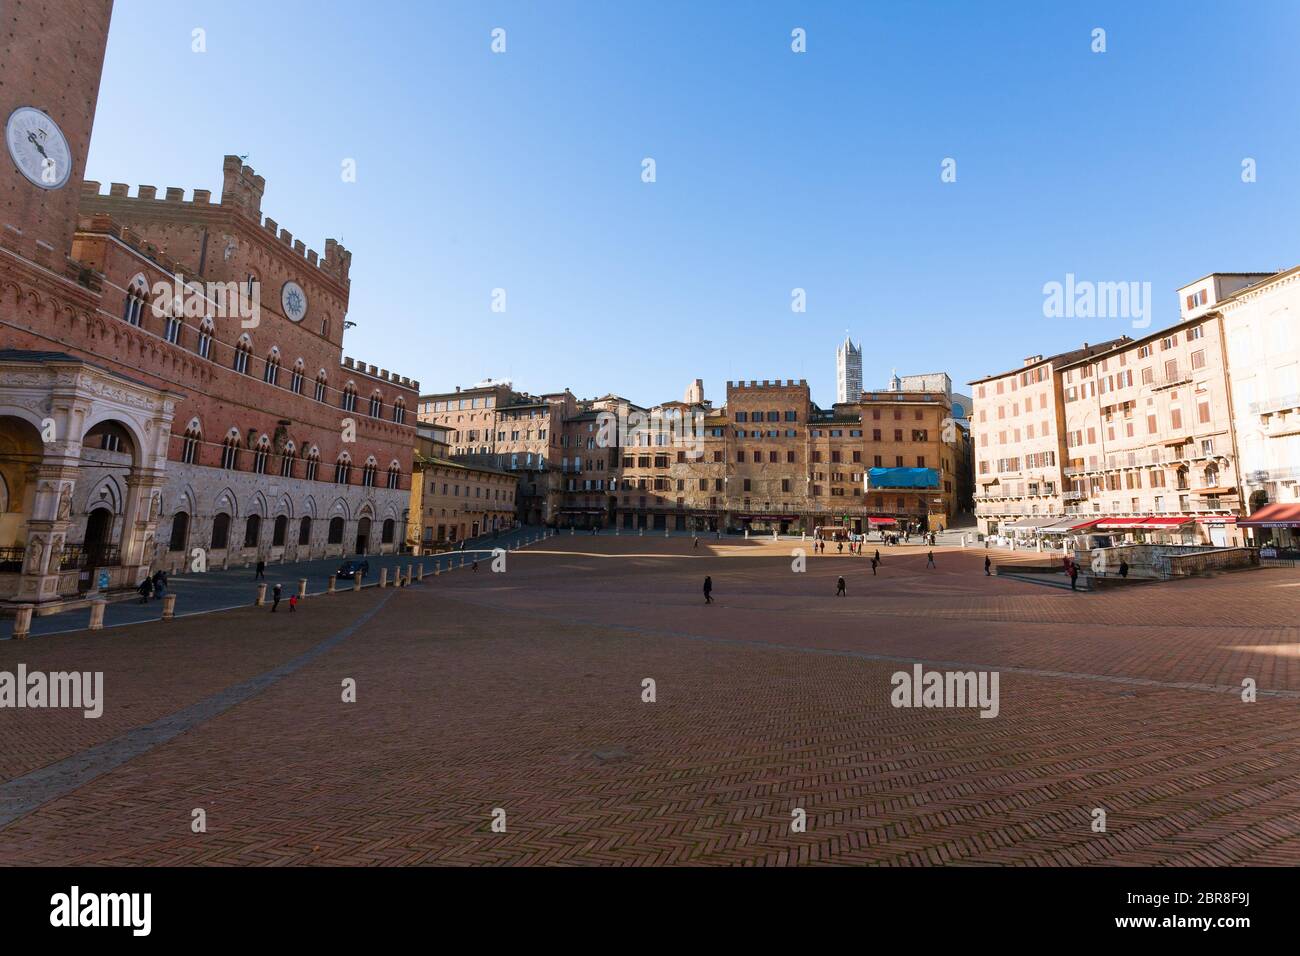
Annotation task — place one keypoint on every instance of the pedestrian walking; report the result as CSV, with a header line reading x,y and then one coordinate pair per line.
x,y
708,590
145,589
1123,568
839,587
159,584
1074,576
875,563
929,561
877,557
988,563
695,542
275,597
260,573
293,603
474,566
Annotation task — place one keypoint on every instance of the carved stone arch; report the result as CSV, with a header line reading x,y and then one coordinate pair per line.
x,y
226,500
107,492
309,507
257,505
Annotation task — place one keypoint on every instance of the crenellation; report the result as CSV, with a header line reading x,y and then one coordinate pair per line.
x,y
120,190
147,192
175,194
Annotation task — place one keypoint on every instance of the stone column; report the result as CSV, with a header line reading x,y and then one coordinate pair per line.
x,y
261,595
302,588
142,509
383,577
169,607
47,531
331,585
97,615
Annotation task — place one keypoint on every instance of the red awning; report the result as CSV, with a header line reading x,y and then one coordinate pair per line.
x,y
1161,523
882,521
1119,524
1273,516
1087,524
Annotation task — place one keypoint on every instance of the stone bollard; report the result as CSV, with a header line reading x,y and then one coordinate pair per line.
x,y
23,622
665,532
332,583
97,615
261,595
356,582
419,571
642,534
169,606
383,578
302,588
408,575
437,569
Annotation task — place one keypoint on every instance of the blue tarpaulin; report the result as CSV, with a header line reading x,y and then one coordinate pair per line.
x,y
902,478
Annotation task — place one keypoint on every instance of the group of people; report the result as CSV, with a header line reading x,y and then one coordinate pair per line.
x,y
155,587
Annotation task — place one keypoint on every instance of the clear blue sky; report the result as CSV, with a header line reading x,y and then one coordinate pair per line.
x,y
775,170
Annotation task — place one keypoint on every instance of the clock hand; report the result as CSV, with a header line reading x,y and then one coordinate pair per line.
x,y
31,138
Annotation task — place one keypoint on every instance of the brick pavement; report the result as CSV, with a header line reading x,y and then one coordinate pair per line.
x,y
522,691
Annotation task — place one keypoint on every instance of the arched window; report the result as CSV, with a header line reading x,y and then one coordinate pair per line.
x,y
230,451
387,534
279,531
394,475
204,347
349,403
320,385
252,530
399,411
180,531
286,461
261,452
304,531
242,351
377,405
220,532
343,469
271,373
190,442
368,472
136,293
313,464
295,381
1211,475
336,531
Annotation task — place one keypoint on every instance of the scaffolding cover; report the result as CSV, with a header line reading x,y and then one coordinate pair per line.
x,y
902,478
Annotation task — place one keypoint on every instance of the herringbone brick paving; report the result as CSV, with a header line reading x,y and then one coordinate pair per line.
x,y
522,691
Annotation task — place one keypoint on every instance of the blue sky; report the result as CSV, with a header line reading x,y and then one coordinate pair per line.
x,y
775,170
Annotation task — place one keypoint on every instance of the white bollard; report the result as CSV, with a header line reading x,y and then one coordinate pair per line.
x,y
261,595
356,582
383,578
169,607
302,588
23,622
333,582
97,615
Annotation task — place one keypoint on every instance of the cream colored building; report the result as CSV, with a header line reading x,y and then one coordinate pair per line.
x,y
1017,427
1148,437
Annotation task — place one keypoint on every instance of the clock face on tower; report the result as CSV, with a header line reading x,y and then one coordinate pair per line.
x,y
294,301
38,147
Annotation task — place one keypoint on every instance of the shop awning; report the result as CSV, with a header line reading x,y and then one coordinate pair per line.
x,y
1276,515
1060,526
1161,523
1090,523
1119,524
1217,490
1029,524
883,522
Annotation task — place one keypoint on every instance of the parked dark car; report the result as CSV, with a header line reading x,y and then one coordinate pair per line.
x,y
353,569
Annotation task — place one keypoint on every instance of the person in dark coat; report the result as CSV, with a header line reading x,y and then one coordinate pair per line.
x,y
708,590
275,597
159,584
1123,568
145,589
988,563
839,588
1074,576
929,560
260,574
